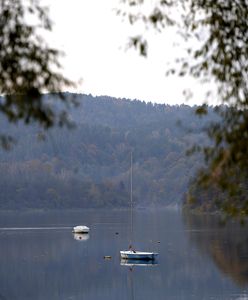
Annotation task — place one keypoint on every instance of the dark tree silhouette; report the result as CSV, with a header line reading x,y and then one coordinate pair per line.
x,y
28,66
221,27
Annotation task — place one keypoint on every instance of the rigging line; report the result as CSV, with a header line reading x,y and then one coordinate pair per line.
x,y
131,198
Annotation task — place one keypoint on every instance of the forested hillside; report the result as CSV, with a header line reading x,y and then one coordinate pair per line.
x,y
88,166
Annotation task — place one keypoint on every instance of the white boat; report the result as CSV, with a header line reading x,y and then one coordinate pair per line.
x,y
80,229
132,254
138,255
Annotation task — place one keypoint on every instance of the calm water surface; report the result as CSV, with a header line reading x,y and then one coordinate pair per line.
x,y
198,259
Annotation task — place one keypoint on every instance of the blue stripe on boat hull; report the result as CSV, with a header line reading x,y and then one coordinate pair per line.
x,y
138,255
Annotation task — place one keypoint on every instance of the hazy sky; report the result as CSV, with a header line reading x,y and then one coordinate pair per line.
x,y
94,40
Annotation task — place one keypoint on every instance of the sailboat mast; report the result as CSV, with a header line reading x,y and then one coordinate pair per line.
x,y
131,198
131,253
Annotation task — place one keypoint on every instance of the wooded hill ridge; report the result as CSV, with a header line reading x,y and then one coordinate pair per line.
x,y
88,166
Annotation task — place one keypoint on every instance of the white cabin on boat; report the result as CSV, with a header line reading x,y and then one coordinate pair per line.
x,y
80,229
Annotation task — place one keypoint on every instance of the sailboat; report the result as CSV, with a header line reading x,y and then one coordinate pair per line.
x,y
132,254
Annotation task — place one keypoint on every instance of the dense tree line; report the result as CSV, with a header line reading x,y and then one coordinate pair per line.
x,y
27,68
88,166
205,198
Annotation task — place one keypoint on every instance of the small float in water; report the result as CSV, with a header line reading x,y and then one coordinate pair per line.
x,y
80,229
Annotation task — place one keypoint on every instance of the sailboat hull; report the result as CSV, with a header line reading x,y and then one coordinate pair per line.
x,y
138,255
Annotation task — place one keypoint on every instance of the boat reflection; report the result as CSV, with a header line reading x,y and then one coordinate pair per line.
x,y
138,262
81,236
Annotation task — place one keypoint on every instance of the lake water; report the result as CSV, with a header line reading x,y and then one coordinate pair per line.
x,y
198,259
